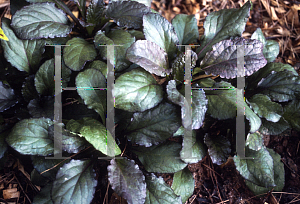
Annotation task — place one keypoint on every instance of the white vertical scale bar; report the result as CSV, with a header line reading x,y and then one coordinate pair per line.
x,y
187,145
240,119
110,122
187,117
240,123
57,106
110,119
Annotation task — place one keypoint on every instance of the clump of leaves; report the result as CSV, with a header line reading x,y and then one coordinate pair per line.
x,y
148,113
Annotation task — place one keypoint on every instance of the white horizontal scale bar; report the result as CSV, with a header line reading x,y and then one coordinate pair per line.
x,y
213,88
75,88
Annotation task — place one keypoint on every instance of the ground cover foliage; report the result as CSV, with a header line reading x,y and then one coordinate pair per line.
x,y
149,99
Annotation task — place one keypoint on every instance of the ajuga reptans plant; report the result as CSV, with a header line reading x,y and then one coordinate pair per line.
x,y
149,90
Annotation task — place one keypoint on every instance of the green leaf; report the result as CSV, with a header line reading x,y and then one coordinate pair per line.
x,y
223,104
120,37
292,114
159,30
99,65
255,141
127,180
123,119
42,20
30,136
199,108
183,184
179,132
75,183
255,121
74,125
37,179
94,99
186,28
270,128
205,83
139,35
95,12
199,105
131,67
193,150
265,71
41,107
271,50
159,192
281,86
153,126
259,170
3,144
127,13
101,39
222,24
198,70
44,197
222,60
278,175
149,56
28,89
264,107
95,133
58,41
271,47
178,66
137,90
7,97
25,55
51,165
115,37
78,53
162,158
44,78
258,35
71,142
218,148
